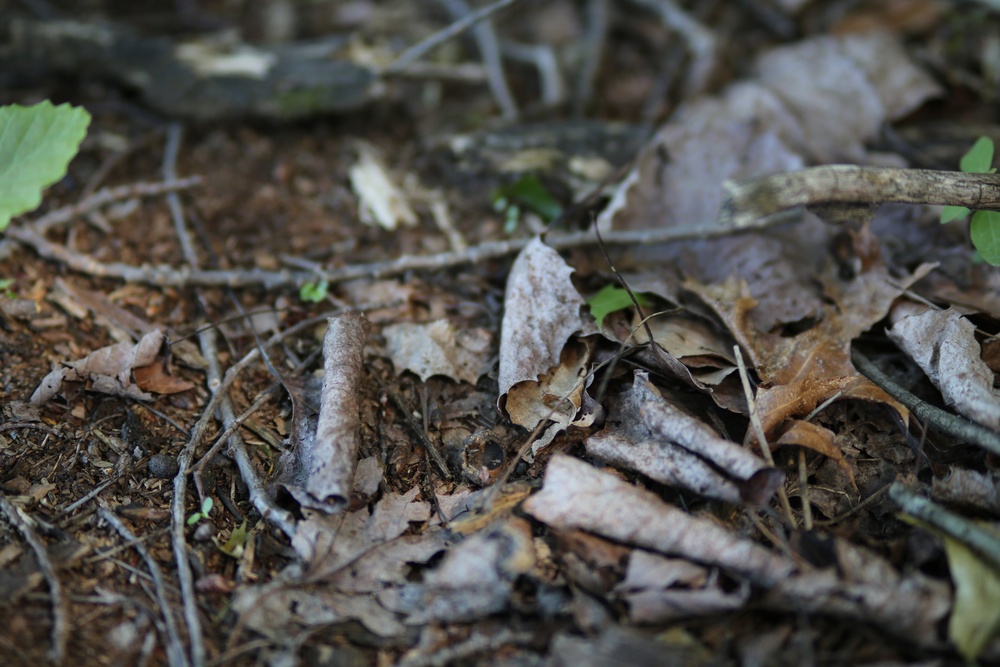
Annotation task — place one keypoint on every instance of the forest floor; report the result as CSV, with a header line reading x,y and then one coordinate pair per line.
x,y
494,465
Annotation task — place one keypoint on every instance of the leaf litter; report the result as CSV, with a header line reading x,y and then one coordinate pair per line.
x,y
652,501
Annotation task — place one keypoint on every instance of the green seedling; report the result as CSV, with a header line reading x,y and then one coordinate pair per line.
x,y
314,292
611,299
525,194
36,146
206,507
5,287
235,544
984,228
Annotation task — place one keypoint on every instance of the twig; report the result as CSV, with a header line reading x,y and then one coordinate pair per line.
x,y
758,429
944,421
595,38
96,490
486,40
985,543
428,446
420,49
105,196
175,649
168,276
747,200
184,576
60,624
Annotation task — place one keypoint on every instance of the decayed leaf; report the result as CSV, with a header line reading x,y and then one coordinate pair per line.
x,y
474,580
943,344
647,434
109,370
438,348
658,589
577,495
328,543
557,397
865,587
800,372
819,439
817,100
380,201
542,309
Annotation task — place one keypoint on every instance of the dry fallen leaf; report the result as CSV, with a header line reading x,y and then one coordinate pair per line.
x,y
110,370
944,345
645,433
438,348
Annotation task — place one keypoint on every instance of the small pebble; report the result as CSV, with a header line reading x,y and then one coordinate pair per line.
x,y
163,466
204,531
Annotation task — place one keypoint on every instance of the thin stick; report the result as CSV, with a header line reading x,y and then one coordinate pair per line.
x,y
175,649
188,600
420,49
758,429
489,50
944,421
807,515
60,624
105,196
168,276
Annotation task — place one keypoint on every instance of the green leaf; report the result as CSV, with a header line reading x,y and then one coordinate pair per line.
x,y
206,506
531,194
949,213
36,146
610,300
979,158
314,292
194,518
975,616
985,231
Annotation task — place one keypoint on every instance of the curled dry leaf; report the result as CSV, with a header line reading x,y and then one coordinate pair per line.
x,y
330,458
542,309
647,434
944,345
438,348
111,370
557,397
577,495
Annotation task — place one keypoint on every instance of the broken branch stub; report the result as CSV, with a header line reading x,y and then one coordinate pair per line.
x,y
747,201
334,455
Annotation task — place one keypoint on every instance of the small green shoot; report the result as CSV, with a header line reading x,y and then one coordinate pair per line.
x,y
611,299
525,194
314,292
234,545
5,287
36,146
206,507
985,225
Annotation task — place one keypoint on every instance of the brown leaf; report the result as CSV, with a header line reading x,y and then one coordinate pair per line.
x,y
154,378
819,439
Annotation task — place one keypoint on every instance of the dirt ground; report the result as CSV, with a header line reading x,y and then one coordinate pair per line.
x,y
276,194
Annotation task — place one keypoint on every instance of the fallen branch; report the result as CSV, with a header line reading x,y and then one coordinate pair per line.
x,y
745,202
168,276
